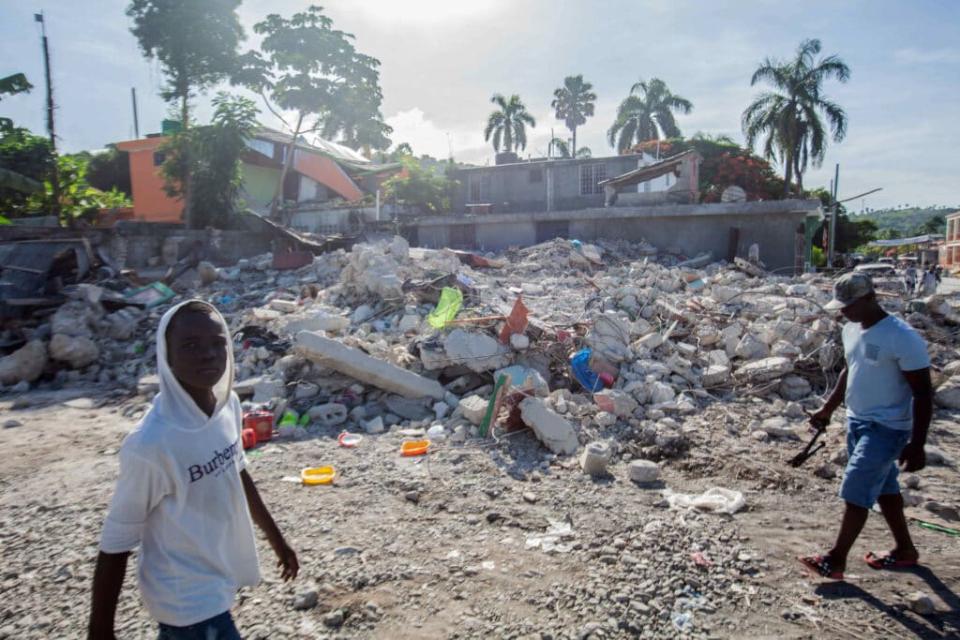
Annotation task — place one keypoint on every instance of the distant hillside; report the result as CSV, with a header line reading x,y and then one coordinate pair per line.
x,y
903,221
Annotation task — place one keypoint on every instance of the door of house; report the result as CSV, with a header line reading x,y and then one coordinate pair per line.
x,y
550,229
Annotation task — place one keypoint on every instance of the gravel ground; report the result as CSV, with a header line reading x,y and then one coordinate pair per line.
x,y
441,546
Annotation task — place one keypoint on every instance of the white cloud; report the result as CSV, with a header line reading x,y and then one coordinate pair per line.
x,y
912,55
426,137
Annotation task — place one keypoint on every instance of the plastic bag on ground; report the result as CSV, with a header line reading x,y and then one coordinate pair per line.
x,y
714,500
447,308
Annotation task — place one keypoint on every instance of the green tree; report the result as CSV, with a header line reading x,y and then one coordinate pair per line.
x,y
508,124
647,114
110,169
196,45
936,224
790,119
315,71
23,156
561,149
574,103
14,84
421,189
211,155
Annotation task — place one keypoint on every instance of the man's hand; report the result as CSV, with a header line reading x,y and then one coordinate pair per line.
x,y
913,457
287,559
821,418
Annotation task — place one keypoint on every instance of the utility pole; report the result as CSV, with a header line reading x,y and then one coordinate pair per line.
x,y
136,120
833,217
51,130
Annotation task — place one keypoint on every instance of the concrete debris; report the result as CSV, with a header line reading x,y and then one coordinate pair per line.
x,y
920,603
765,370
594,459
331,414
476,351
25,364
473,408
553,430
948,394
207,273
360,366
643,471
77,351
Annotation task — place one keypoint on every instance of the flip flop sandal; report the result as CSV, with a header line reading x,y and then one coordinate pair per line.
x,y
821,566
887,562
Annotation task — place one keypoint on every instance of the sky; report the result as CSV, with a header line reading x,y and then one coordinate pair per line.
x,y
443,59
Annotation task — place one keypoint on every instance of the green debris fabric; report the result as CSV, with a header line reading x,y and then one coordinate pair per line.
x,y
447,309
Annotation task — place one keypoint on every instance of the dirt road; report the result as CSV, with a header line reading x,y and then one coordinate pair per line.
x,y
451,545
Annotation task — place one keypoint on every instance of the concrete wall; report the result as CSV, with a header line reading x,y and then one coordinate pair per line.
x,y
514,187
686,229
259,185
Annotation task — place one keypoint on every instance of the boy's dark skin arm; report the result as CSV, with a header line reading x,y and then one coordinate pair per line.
x,y
286,558
107,583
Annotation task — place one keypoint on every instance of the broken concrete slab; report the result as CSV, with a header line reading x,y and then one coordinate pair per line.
x,y
715,375
359,365
407,408
321,321
948,394
795,388
553,430
330,414
643,471
473,408
25,364
476,351
77,351
765,370
619,403
594,459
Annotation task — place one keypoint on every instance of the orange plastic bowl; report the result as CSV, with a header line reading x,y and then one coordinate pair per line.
x,y
318,475
414,447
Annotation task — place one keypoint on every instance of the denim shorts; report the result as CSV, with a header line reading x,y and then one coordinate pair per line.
x,y
219,627
872,453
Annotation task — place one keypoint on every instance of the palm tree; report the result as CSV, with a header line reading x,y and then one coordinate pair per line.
x,y
647,114
573,103
789,119
508,124
561,149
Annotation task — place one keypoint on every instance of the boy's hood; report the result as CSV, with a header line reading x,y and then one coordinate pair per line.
x,y
173,403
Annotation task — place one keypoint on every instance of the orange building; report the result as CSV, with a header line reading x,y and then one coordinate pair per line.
x,y
150,202
320,173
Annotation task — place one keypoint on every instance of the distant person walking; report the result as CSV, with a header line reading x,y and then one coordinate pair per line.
x,y
910,279
927,286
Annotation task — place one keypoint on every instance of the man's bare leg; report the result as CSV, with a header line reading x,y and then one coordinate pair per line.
x,y
892,507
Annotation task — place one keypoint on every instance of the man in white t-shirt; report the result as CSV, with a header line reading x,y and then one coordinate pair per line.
x,y
184,495
889,398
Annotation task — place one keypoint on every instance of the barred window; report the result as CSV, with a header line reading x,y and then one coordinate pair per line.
x,y
590,175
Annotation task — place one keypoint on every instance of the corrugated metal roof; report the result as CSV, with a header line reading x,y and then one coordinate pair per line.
x,y
650,172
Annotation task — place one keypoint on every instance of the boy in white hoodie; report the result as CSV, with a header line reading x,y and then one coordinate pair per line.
x,y
184,495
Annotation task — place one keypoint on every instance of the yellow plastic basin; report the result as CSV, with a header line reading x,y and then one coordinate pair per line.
x,y
318,475
414,447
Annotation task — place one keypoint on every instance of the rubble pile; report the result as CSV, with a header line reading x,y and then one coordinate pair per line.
x,y
614,343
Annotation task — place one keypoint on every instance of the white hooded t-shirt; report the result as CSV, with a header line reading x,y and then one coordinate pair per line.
x,y
180,497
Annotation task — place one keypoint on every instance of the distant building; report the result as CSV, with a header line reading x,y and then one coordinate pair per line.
x,y
321,192
950,249
577,183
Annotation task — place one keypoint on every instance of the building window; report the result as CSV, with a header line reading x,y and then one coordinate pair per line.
x,y
590,176
535,175
159,157
479,189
